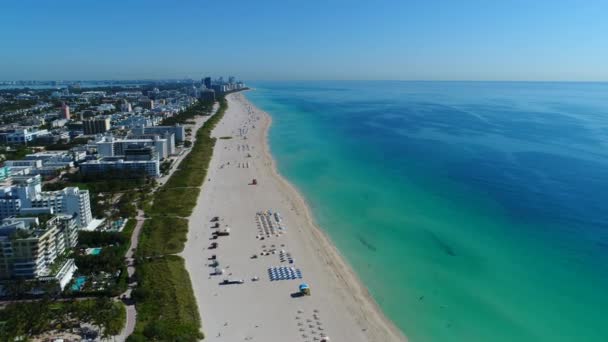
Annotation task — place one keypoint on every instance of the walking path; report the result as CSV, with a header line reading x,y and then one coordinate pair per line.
x,y
199,121
126,297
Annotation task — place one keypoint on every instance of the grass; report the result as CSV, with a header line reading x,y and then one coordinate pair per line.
x,y
162,235
22,321
127,231
166,307
178,196
175,202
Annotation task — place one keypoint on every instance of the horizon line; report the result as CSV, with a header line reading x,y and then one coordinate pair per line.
x,y
311,80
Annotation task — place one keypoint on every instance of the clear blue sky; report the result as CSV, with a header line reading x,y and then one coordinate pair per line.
x,y
305,39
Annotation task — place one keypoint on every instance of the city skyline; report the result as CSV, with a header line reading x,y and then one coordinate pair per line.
x,y
437,40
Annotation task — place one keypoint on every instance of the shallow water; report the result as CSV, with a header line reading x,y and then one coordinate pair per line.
x,y
472,211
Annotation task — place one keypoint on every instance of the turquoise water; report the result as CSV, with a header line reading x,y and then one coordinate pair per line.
x,y
472,211
79,283
95,251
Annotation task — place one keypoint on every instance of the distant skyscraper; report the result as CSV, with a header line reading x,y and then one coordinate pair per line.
x,y
125,106
65,111
207,82
231,80
96,126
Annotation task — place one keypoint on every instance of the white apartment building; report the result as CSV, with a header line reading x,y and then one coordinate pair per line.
x,y
21,135
109,146
149,167
177,130
70,200
26,195
30,247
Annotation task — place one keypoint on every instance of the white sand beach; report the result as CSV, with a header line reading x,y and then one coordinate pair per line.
x,y
264,310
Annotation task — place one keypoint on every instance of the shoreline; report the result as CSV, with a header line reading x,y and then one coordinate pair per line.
x,y
355,316
333,256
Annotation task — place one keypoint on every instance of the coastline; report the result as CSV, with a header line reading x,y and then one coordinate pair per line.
x,y
345,273
355,316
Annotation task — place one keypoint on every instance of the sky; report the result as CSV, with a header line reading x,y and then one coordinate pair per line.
x,y
533,40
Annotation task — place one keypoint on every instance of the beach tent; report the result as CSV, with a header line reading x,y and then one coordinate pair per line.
x,y
305,289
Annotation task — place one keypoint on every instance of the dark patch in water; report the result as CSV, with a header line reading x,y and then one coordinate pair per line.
x,y
366,243
442,245
602,245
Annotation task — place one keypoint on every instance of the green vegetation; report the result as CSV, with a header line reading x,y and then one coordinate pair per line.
x,y
26,320
175,201
166,307
126,206
16,105
106,261
16,153
226,137
88,239
112,182
162,235
67,145
199,108
165,166
127,231
178,196
193,170
108,266
104,187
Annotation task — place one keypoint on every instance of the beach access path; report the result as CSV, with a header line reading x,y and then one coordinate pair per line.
x,y
126,297
264,310
198,123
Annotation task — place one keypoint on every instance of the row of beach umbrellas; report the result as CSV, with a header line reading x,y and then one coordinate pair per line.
x,y
284,273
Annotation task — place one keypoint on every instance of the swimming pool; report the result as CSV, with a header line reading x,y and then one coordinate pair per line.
x,y
94,251
79,283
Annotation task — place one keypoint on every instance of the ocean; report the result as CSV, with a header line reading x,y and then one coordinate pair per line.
x,y
473,211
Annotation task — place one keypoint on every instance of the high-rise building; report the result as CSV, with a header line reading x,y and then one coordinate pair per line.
x,y
178,130
193,91
137,152
207,82
125,106
109,146
70,200
26,196
163,149
65,111
207,95
30,247
148,167
96,125
146,103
